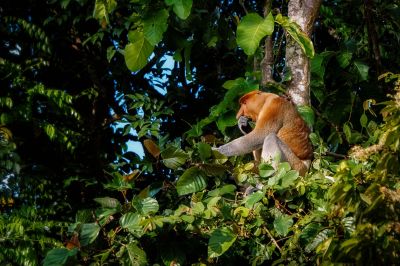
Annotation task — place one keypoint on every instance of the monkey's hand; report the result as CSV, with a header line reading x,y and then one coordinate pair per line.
x,y
243,124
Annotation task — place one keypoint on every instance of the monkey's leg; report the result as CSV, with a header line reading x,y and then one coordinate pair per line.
x,y
275,151
257,155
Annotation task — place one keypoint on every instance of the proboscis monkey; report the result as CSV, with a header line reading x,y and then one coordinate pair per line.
x,y
280,132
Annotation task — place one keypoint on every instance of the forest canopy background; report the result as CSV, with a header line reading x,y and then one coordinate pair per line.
x,y
79,79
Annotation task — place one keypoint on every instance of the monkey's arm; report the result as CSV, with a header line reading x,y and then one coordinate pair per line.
x,y
245,144
269,121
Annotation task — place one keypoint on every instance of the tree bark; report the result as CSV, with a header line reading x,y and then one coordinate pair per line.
x,y
268,61
304,13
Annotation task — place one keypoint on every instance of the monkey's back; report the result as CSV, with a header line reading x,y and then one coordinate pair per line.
x,y
295,132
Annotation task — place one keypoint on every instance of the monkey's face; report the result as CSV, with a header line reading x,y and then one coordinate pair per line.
x,y
251,104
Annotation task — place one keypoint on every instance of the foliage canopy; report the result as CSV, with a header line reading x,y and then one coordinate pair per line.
x,y
83,79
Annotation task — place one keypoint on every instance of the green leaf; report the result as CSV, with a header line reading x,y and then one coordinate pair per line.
x,y
364,120
110,53
294,30
362,69
347,131
58,256
307,113
344,59
181,8
146,206
50,131
89,233
251,29
309,232
173,157
192,180
282,223
155,25
108,202
132,222
137,52
102,8
204,150
289,178
220,241
253,198
266,170
136,255
319,62
226,120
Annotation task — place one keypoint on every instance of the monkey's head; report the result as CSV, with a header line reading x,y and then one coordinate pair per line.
x,y
251,104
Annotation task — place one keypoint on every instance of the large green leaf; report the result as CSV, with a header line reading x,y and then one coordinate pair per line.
x,y
181,8
362,70
192,180
220,241
137,52
89,233
102,8
282,223
145,206
58,256
132,222
136,255
173,157
155,25
294,30
251,29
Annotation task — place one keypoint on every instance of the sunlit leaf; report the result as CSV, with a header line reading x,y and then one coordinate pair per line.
x,y
253,198
266,170
294,30
145,206
251,29
137,51
132,222
192,180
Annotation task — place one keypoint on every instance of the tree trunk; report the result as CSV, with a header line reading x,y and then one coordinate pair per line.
x,y
303,12
267,63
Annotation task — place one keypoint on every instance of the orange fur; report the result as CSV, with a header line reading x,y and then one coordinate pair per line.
x,y
276,114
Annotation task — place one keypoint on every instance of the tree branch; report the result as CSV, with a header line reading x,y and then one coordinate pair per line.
x,y
268,61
